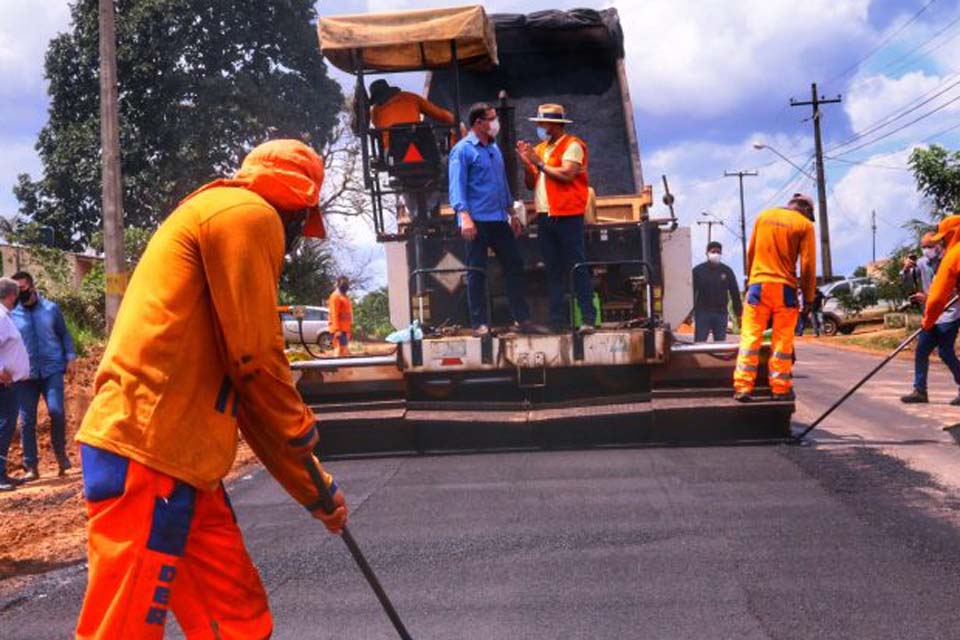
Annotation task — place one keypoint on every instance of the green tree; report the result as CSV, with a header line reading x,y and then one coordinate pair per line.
x,y
308,274
200,83
860,272
371,316
937,172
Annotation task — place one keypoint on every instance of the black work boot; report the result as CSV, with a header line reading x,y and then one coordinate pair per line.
x,y
915,397
789,396
743,396
7,483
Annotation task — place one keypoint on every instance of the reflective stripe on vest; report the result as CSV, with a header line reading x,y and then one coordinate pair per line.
x,y
565,198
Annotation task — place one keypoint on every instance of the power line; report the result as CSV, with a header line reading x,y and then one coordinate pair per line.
x,y
904,58
883,42
889,120
864,163
900,128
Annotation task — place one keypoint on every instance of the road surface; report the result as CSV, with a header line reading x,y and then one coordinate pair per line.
x,y
854,536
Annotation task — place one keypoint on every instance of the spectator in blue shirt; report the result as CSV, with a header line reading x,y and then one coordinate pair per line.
x,y
50,348
482,202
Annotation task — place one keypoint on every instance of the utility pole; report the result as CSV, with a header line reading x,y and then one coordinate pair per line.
x,y
815,101
116,268
873,227
709,224
743,213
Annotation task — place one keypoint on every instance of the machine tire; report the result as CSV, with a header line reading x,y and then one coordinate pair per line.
x,y
830,326
325,341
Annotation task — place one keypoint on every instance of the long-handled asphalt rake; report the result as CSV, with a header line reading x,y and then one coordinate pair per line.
x,y
903,345
326,503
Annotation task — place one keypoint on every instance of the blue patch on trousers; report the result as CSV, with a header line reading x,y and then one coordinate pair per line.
x,y
104,473
753,294
790,296
171,520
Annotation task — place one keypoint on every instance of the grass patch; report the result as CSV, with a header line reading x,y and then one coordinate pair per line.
x,y
878,341
83,337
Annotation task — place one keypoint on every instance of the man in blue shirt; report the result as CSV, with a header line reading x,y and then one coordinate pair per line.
x,y
482,203
50,347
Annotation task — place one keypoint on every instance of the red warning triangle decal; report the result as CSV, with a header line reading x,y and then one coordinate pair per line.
x,y
412,154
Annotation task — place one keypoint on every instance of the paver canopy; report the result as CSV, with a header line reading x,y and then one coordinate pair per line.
x,y
408,40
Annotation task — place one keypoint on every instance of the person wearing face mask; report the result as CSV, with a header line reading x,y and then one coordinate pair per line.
x,y
341,317
942,335
481,200
196,355
50,346
714,285
556,170
14,368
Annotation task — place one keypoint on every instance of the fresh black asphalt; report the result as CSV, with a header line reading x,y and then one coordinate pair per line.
x,y
708,542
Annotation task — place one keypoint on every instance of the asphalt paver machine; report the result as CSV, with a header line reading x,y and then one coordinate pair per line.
x,y
636,379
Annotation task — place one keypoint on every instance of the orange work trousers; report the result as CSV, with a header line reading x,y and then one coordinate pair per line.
x,y
341,342
766,301
156,545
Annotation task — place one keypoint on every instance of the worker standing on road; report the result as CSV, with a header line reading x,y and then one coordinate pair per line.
x,y
780,237
480,198
556,170
939,322
341,317
714,286
196,353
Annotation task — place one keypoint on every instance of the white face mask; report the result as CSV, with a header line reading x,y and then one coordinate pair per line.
x,y
930,253
713,257
542,133
494,127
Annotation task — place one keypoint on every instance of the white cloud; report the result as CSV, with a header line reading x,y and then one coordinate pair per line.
x,y
25,30
707,58
871,100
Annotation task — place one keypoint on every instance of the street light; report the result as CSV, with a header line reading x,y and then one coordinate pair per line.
x,y
759,145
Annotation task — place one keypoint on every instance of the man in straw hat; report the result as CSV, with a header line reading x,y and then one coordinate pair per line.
x,y
556,170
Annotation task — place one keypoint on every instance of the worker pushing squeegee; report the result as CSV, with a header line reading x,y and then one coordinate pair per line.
x,y
195,355
942,294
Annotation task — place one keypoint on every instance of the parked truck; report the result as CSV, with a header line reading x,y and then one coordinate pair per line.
x,y
634,380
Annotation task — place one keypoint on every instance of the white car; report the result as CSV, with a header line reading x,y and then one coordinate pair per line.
x,y
316,326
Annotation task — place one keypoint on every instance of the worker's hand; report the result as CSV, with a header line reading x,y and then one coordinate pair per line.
x,y
805,311
526,152
467,228
919,298
335,521
516,226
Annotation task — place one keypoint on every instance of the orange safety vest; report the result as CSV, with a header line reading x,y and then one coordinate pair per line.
x,y
565,198
341,313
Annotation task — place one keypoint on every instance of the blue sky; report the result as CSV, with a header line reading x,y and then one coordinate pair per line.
x,y
708,78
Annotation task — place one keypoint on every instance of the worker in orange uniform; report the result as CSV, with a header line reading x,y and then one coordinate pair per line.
x,y
780,237
195,354
945,282
391,106
341,317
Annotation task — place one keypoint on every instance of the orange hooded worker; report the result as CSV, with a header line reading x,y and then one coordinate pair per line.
x,y
944,285
341,317
780,237
196,355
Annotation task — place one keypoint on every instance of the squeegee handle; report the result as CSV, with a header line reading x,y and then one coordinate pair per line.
x,y
327,504
903,345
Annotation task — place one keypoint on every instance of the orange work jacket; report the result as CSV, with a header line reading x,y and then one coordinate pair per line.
x,y
565,198
406,108
196,351
341,313
780,237
944,285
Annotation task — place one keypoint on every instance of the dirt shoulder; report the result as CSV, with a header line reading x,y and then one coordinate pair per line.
x,y
43,523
